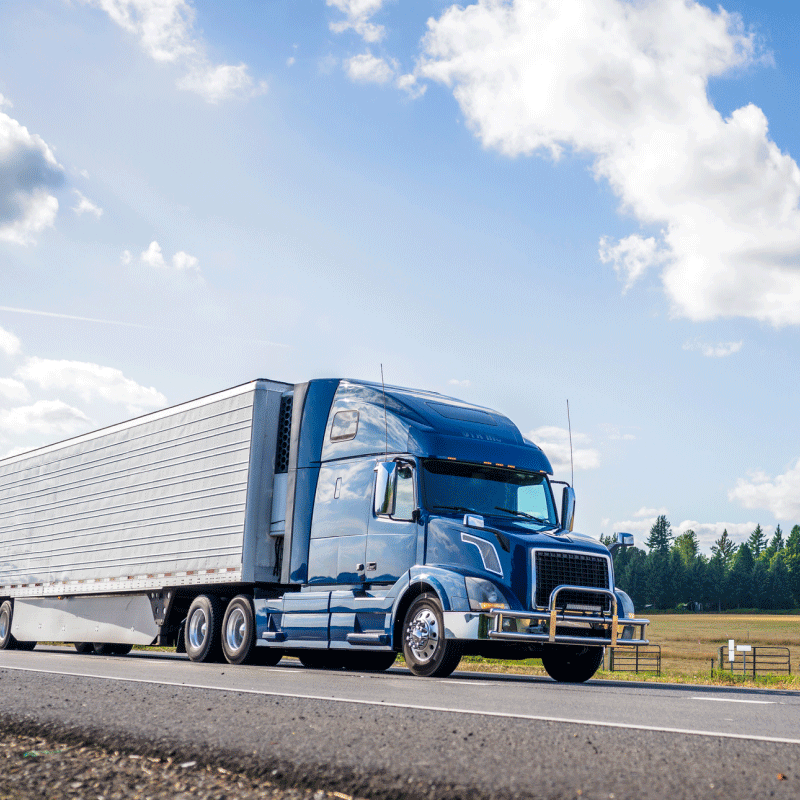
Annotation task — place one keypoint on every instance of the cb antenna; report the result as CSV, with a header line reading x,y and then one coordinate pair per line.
x,y
571,462
385,423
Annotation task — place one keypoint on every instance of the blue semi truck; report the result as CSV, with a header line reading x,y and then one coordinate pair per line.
x,y
338,521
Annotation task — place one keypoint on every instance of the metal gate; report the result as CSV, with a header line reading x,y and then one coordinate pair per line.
x,y
757,660
635,659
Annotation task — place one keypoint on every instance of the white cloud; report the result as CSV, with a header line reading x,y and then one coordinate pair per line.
x,y
4,101
779,495
126,257
49,417
631,257
367,68
90,381
9,344
651,512
358,13
714,350
86,206
626,83
13,390
165,29
457,382
555,443
614,433
153,257
28,170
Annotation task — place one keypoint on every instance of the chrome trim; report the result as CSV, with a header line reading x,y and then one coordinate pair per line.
x,y
481,544
534,550
552,616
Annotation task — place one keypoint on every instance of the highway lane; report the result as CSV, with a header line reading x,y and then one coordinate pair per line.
x,y
714,711
392,735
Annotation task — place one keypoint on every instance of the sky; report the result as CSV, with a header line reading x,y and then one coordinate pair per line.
x,y
517,203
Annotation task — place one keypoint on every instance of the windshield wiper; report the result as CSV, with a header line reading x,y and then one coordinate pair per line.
x,y
457,508
525,515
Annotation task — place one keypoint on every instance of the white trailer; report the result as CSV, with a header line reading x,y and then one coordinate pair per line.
x,y
98,533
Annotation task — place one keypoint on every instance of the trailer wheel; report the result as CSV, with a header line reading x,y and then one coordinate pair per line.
x,y
568,664
238,631
26,645
111,648
426,650
84,647
203,625
7,641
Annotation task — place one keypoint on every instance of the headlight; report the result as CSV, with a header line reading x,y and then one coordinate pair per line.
x,y
484,595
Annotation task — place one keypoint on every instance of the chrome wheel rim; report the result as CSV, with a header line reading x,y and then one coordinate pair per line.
x,y
422,635
235,630
198,628
3,625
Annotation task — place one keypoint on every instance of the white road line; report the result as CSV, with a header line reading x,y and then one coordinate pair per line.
x,y
735,700
382,704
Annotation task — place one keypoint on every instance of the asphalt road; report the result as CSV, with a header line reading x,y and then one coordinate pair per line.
x,y
393,735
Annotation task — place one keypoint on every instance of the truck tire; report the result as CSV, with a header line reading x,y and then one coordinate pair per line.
x,y
84,647
425,649
7,641
26,646
322,659
266,656
111,649
572,664
360,661
203,626
238,631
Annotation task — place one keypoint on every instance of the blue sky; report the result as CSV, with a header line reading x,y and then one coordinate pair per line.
x,y
513,203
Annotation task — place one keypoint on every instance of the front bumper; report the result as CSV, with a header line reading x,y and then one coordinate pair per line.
x,y
558,626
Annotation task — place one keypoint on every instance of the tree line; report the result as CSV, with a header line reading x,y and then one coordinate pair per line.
x,y
760,573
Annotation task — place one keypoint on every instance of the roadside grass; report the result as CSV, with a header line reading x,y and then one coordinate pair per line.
x,y
689,642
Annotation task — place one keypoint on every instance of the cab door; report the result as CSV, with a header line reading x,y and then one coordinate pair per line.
x,y
392,536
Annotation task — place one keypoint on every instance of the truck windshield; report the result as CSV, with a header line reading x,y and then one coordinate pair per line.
x,y
472,488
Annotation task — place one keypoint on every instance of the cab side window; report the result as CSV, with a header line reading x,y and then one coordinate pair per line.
x,y
404,494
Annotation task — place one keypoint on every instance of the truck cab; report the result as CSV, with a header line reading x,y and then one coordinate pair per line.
x,y
429,526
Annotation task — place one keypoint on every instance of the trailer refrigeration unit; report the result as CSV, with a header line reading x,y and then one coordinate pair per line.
x,y
331,520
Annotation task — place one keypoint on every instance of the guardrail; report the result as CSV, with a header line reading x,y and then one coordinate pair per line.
x,y
758,659
635,659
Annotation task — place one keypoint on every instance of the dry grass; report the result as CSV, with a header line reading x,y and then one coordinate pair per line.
x,y
688,643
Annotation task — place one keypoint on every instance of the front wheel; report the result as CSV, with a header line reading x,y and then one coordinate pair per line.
x,y
572,664
426,650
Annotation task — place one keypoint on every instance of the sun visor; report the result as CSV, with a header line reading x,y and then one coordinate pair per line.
x,y
477,448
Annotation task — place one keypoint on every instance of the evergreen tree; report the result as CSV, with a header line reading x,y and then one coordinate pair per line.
x,y
779,591
714,584
660,536
688,546
739,584
757,541
776,544
725,549
791,556
761,596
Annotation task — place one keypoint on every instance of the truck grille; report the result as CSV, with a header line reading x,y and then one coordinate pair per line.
x,y
557,567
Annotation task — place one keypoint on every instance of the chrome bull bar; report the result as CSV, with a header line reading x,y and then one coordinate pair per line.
x,y
553,616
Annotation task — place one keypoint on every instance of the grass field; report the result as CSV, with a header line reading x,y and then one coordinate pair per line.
x,y
689,642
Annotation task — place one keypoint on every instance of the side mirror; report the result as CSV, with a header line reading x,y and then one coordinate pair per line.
x,y
385,474
623,540
567,508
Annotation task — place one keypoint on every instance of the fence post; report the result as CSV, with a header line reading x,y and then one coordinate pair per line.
x,y
637,660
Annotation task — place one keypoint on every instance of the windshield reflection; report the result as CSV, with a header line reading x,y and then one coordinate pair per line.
x,y
464,488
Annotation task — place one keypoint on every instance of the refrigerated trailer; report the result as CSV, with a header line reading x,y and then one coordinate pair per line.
x,y
338,521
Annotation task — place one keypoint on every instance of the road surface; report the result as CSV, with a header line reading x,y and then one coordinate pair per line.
x,y
394,735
